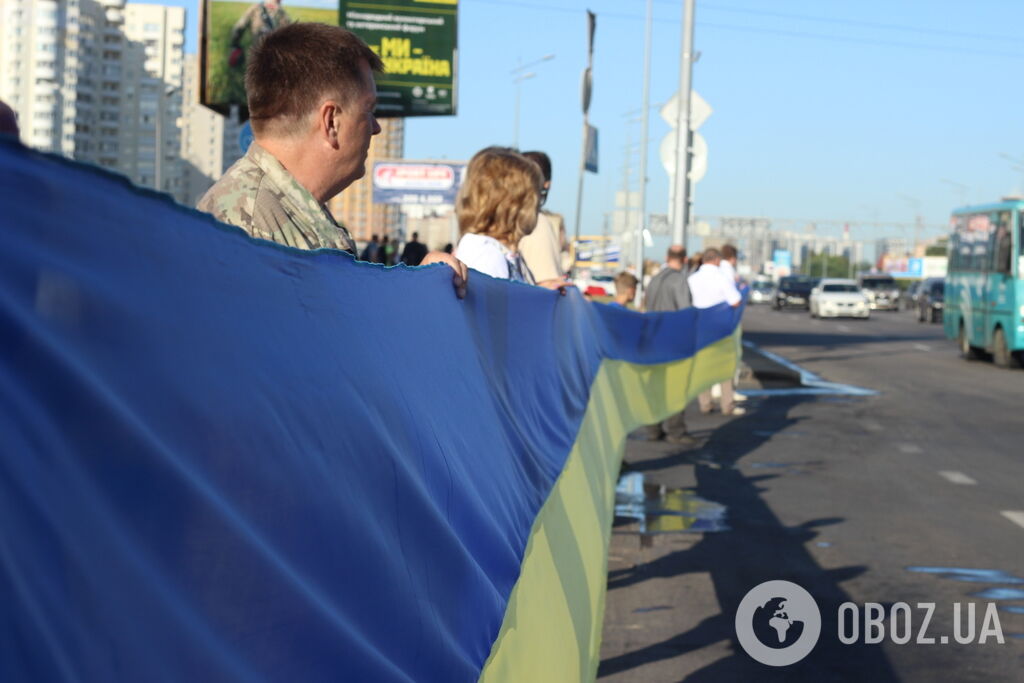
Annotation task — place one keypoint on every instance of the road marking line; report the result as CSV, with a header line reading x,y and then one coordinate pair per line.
x,y
1015,516
954,477
922,347
810,383
872,426
910,448
843,328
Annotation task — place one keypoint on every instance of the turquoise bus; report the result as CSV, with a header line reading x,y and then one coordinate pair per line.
x,y
984,298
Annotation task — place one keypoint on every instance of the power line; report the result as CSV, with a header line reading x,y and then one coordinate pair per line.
x,y
853,22
786,33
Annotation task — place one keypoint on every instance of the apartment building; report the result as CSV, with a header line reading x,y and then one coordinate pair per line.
x,y
209,141
60,70
149,150
354,208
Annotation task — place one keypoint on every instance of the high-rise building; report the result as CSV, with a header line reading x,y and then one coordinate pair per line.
x,y
209,141
153,69
354,208
60,70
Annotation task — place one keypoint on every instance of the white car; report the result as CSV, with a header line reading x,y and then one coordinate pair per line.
x,y
832,298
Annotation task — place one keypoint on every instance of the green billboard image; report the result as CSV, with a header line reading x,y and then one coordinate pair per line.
x,y
417,40
228,30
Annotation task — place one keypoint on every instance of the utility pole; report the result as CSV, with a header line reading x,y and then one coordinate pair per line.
x,y
645,117
517,79
681,213
586,95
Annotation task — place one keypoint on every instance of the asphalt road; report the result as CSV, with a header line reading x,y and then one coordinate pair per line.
x,y
843,496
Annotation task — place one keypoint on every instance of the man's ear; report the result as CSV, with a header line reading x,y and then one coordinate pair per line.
x,y
327,122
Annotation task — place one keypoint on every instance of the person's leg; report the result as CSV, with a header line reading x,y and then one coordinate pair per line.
x,y
727,402
704,399
653,432
675,426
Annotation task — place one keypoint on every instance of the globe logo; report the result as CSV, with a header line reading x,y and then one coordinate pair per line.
x,y
774,626
778,623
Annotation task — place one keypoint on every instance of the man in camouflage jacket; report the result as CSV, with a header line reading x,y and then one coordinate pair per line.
x,y
312,136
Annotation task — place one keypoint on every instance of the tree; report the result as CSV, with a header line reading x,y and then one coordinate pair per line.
x,y
939,248
826,265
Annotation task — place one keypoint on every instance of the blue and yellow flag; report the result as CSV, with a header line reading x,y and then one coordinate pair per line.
x,y
221,459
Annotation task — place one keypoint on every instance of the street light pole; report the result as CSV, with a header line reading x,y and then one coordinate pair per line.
x,y
681,214
645,116
918,219
517,80
519,90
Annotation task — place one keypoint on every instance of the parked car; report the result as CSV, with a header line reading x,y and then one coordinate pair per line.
x,y
910,296
931,300
835,297
882,291
762,292
794,290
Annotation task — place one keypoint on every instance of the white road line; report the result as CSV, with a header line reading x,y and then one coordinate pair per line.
x,y
954,477
922,347
873,426
810,383
910,448
1015,516
843,328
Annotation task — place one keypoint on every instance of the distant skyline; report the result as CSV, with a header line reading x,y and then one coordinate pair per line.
x,y
874,111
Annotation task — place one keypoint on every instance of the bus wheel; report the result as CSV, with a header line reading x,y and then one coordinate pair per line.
x,y
967,351
1002,356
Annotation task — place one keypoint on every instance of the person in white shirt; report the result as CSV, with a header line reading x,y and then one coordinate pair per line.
x,y
728,267
709,287
497,206
728,263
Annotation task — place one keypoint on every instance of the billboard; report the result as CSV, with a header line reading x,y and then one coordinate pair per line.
x,y
903,267
425,183
595,251
417,40
228,30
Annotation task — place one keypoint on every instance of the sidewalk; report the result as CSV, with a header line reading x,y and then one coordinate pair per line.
x,y
662,616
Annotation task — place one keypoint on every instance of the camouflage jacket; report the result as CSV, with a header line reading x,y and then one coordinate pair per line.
x,y
259,21
261,197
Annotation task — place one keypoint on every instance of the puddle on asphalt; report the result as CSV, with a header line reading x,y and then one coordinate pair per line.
x,y
655,608
970,575
661,510
1000,594
984,576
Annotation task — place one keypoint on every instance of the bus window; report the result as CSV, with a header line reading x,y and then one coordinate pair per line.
x,y
1001,243
1020,244
979,232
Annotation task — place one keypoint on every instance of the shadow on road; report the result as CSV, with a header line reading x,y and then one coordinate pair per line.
x,y
758,548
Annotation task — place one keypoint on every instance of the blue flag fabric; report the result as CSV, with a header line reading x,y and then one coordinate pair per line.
x,y
221,459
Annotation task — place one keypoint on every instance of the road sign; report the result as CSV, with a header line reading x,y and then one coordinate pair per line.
x,y
590,161
700,110
698,156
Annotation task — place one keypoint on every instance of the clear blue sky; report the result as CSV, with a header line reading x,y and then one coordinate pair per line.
x,y
821,110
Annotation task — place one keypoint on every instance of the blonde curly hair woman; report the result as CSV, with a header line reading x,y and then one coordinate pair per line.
x,y
497,206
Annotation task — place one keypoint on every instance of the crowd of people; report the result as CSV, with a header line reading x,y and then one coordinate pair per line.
x,y
311,140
